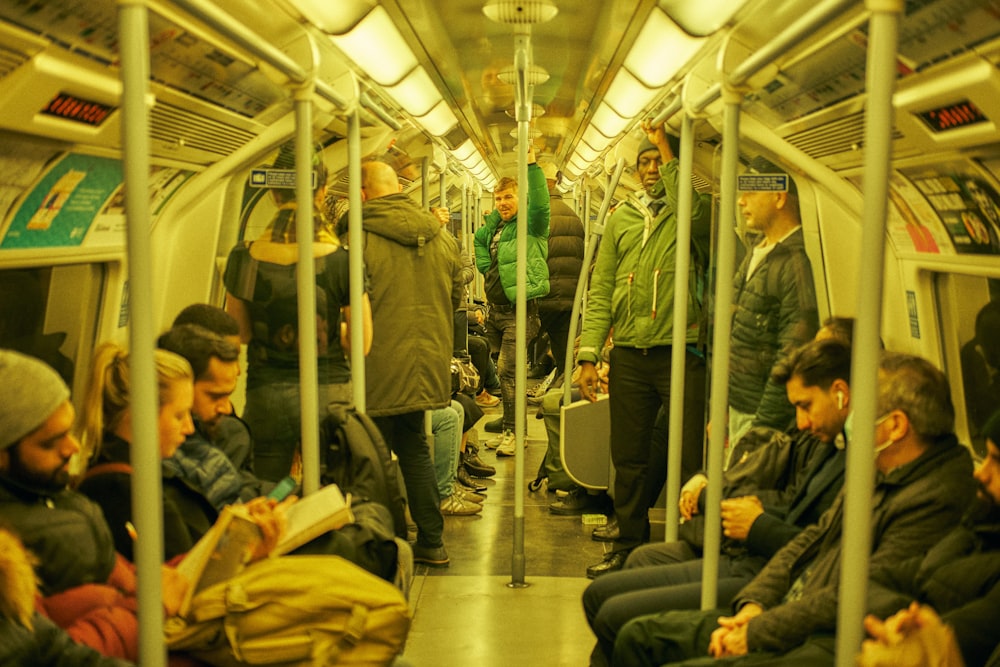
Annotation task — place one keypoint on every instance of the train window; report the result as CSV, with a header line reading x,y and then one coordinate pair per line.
x,y
970,326
52,313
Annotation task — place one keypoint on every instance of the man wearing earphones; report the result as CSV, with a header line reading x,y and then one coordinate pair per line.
x,y
772,494
921,489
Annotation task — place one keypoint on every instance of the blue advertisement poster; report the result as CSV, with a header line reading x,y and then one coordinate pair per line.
x,y
59,210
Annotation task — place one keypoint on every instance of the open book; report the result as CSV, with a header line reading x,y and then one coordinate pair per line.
x,y
227,547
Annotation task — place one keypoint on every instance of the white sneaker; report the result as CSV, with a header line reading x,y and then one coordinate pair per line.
x,y
508,444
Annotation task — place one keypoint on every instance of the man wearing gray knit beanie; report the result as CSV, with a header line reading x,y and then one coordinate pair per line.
x,y
34,398
63,528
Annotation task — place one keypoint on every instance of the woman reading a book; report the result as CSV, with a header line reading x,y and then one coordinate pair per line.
x,y
106,437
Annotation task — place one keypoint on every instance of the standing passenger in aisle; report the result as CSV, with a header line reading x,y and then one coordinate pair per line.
x,y
262,294
496,259
415,278
565,261
774,306
632,291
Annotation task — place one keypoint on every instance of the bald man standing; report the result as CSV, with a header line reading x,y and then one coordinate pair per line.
x,y
415,286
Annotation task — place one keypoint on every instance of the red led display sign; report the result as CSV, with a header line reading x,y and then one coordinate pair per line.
x,y
78,109
953,116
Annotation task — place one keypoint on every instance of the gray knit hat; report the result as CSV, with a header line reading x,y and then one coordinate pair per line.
x,y
647,145
30,391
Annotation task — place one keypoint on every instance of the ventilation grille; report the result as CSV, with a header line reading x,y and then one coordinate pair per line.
x,y
176,127
843,135
10,61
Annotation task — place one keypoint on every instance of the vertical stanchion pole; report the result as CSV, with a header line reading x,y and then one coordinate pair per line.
x,y
133,35
859,482
719,401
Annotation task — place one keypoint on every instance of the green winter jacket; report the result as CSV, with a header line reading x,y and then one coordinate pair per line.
x,y
538,241
632,288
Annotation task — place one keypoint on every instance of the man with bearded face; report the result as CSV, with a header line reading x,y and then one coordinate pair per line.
x,y
89,589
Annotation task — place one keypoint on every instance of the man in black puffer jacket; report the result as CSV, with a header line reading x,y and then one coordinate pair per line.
x,y
565,260
774,305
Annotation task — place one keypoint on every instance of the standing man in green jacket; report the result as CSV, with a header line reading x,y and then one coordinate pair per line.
x,y
496,259
632,292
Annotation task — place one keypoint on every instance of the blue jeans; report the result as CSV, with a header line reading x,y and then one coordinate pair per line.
x,y
446,425
273,413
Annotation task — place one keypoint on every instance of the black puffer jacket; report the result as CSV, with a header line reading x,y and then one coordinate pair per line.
x,y
566,246
65,530
774,312
959,577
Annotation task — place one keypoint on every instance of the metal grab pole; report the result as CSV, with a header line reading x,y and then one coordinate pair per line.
x,y
133,33
306,288
357,260
524,92
719,402
858,486
678,350
593,234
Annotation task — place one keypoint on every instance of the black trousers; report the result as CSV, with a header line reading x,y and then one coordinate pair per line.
x,y
638,386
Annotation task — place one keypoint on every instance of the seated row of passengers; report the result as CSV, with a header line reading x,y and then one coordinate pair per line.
x,y
935,535
84,546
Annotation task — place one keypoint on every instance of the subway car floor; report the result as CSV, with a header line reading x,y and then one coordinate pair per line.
x,y
469,614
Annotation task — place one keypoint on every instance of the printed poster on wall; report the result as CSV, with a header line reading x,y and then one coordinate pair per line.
x,y
965,202
61,207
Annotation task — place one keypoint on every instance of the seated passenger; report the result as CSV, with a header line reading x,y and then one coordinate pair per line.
x,y
446,427
26,636
921,490
772,494
202,461
960,576
187,514
89,589
980,359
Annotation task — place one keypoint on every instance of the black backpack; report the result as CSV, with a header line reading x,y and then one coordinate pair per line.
x,y
354,456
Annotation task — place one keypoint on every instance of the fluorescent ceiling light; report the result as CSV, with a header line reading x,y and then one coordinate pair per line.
x,y
465,151
571,171
595,139
579,164
334,18
584,150
378,48
416,93
608,122
660,50
627,95
439,121
520,11
703,17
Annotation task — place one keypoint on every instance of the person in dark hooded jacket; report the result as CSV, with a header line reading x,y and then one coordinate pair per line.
x,y
415,287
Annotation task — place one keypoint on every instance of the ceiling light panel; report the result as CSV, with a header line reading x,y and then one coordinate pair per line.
x,y
416,93
627,95
378,48
660,50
